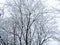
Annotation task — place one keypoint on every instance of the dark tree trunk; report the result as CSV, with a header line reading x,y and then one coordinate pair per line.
x,y
20,41
26,37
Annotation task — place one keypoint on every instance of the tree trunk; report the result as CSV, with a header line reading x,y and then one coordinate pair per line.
x,y
14,31
26,37
14,39
20,41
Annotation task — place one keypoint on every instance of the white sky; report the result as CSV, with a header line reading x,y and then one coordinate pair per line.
x,y
1,6
2,1
53,43
54,3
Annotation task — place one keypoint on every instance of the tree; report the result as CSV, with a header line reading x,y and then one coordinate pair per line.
x,y
29,19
